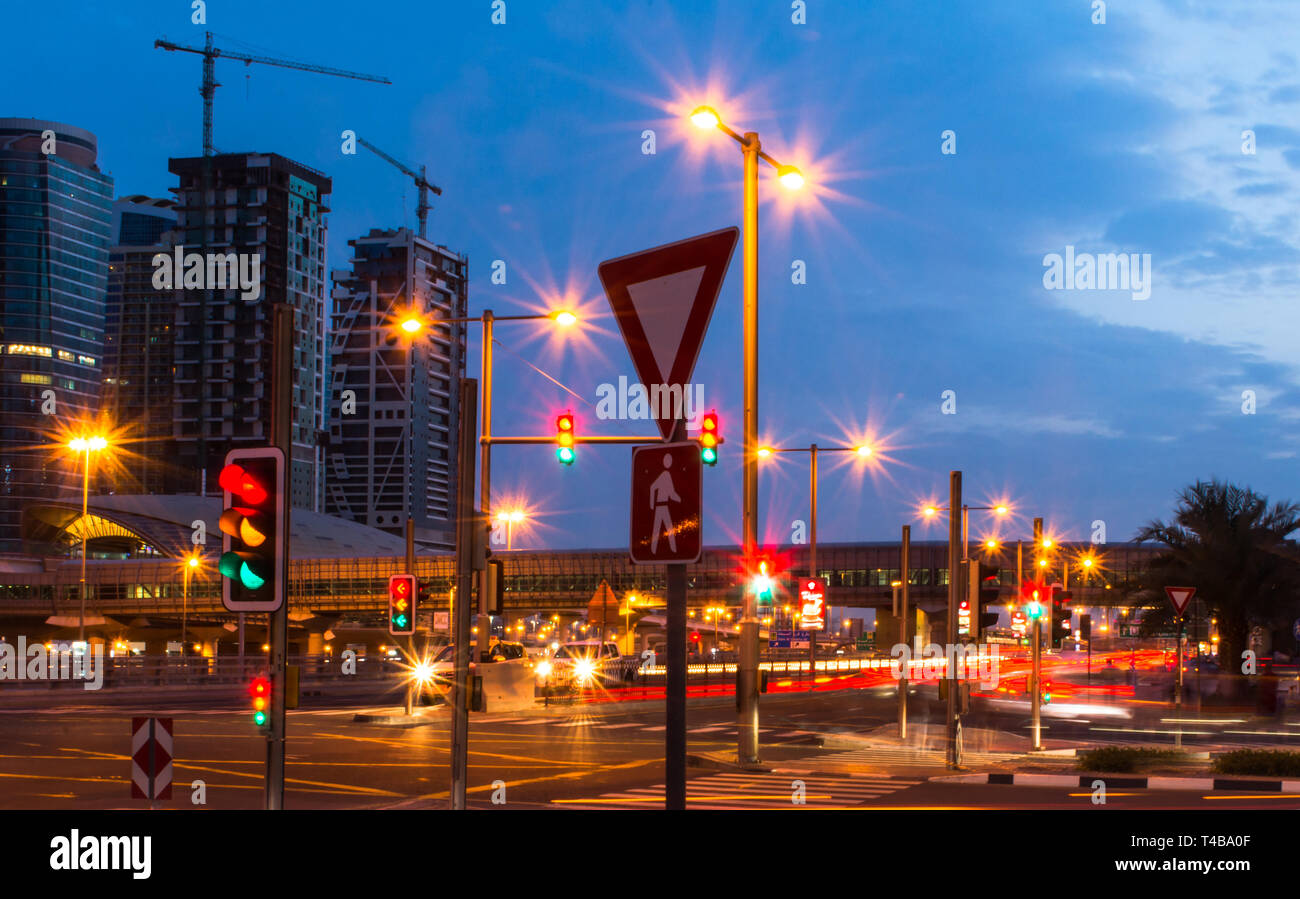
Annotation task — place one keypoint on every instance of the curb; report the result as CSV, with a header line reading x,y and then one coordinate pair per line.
x,y
1085,781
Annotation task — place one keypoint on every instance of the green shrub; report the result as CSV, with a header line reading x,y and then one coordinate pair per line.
x,y
1126,759
1261,762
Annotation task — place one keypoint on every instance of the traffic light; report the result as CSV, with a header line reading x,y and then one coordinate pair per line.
x,y
564,450
401,604
761,584
259,692
1047,692
495,577
710,437
1060,618
254,530
982,593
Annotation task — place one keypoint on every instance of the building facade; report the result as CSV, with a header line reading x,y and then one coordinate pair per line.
x,y
394,410
250,205
138,346
55,223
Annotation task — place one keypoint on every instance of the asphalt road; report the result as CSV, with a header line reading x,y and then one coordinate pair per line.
x,y
607,756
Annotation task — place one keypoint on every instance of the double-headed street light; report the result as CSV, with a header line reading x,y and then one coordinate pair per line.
x,y
790,177
413,323
189,564
510,519
86,445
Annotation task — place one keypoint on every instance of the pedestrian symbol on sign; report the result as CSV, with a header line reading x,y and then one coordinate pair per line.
x,y
666,482
661,494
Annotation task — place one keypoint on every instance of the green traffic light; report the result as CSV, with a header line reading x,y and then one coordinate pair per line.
x,y
250,578
259,718
566,455
709,455
400,621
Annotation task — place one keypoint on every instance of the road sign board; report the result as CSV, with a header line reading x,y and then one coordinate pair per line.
x,y
1180,596
800,639
662,299
812,597
151,758
667,485
780,639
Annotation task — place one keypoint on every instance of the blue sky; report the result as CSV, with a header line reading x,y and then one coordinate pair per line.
x,y
924,270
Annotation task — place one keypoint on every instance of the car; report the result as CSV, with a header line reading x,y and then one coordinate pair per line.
x,y
586,661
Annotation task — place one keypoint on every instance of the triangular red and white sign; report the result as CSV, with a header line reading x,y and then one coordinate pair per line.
x,y
1180,597
662,299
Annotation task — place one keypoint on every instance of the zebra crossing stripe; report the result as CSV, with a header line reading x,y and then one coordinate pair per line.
x,y
752,791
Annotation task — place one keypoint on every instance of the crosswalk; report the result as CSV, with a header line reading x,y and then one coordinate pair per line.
x,y
743,790
707,731
878,757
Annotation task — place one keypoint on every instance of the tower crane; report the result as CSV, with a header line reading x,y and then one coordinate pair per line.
x,y
421,182
210,84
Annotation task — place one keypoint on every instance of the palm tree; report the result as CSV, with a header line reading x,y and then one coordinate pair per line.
x,y
1228,543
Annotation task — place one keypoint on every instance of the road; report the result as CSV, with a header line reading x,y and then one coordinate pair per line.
x,y
599,756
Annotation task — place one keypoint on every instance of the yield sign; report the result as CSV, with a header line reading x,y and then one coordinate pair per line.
x,y
662,300
1180,596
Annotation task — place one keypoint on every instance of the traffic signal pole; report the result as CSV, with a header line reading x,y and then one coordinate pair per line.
x,y
415,591
466,522
954,599
485,482
812,560
281,422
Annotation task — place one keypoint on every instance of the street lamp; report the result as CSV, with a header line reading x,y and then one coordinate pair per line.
x,y
191,564
86,445
510,519
790,177
413,324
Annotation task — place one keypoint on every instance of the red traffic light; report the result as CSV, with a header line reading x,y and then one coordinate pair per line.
x,y
710,422
564,422
236,480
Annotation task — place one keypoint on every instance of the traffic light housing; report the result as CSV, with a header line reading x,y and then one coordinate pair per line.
x,y
1060,618
402,590
494,575
981,593
255,530
710,437
564,447
762,583
1047,692
259,694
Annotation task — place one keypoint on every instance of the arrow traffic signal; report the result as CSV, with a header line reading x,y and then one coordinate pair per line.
x,y
564,450
254,528
402,591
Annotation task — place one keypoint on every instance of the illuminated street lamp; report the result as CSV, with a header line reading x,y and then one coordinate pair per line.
x,y
790,177
510,519
86,445
190,564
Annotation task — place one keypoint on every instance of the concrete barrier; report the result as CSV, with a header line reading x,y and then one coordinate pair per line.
x,y
507,686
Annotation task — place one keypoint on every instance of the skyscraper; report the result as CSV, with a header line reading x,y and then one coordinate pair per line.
x,y
263,206
393,395
138,346
55,219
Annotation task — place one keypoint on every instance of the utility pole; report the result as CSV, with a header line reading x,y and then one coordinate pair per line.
x,y
466,523
675,693
485,484
278,623
954,599
1036,655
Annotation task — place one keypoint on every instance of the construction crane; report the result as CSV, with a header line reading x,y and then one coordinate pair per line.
x,y
210,84
421,182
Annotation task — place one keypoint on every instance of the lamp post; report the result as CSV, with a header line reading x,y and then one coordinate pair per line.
x,y
510,519
413,323
191,564
789,176
86,446
862,451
